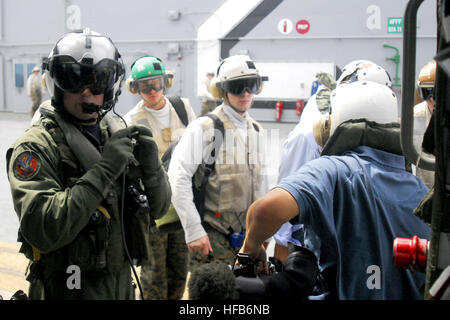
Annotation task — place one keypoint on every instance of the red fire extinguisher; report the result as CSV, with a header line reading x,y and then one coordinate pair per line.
x,y
279,110
299,106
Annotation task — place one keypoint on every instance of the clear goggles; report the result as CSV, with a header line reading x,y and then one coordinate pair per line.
x,y
72,76
239,86
146,85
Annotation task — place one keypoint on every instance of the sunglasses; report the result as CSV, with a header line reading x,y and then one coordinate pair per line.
x,y
146,85
72,76
239,86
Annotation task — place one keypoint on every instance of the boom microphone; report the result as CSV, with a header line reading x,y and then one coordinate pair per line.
x,y
90,107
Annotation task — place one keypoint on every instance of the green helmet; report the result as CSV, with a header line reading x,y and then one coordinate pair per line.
x,y
147,67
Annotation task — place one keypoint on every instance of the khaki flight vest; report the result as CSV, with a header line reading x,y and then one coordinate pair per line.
x,y
164,137
231,187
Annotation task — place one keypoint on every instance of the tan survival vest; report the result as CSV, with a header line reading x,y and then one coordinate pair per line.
x,y
231,187
164,137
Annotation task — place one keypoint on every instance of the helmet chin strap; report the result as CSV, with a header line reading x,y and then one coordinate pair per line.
x,y
233,107
237,110
153,104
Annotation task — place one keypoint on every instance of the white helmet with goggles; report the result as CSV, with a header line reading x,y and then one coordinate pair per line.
x,y
235,75
81,60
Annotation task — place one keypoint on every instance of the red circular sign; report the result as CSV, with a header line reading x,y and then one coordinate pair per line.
x,y
302,26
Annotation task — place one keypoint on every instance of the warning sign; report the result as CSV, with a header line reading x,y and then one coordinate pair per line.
x,y
395,25
285,26
302,26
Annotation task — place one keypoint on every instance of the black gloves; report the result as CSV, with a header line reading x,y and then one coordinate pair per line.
x,y
117,153
146,153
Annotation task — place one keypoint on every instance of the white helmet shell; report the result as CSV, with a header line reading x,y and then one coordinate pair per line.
x,y
87,44
363,100
237,66
364,70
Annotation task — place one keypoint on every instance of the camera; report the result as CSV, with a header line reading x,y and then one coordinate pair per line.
x,y
247,267
295,278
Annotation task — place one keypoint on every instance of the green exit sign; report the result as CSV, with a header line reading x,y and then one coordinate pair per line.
x,y
395,25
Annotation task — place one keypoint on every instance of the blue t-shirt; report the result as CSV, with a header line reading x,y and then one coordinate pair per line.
x,y
353,207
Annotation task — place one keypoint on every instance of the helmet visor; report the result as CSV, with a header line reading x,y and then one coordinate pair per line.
x,y
72,76
146,85
238,86
426,92
353,77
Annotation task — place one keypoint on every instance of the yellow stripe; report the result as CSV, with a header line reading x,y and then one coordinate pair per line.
x,y
104,211
36,254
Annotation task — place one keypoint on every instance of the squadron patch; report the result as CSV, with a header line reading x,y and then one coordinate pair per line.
x,y
26,165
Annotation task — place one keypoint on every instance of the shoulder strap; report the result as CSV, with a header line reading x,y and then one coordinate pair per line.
x,y
180,108
199,192
218,139
86,153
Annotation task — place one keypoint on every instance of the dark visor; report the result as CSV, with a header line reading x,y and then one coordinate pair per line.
x,y
426,92
72,76
238,86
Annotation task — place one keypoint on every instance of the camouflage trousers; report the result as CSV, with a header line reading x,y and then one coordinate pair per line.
x,y
163,277
222,251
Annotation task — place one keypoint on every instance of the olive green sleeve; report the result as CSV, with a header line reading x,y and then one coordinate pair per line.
x,y
50,215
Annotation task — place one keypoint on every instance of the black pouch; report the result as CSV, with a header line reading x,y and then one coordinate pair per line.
x,y
137,224
88,250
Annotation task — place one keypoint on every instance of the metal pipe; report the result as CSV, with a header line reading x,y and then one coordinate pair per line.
x,y
2,81
23,44
408,77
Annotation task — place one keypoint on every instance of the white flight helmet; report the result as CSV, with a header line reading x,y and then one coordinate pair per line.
x,y
357,100
84,59
363,100
364,70
233,68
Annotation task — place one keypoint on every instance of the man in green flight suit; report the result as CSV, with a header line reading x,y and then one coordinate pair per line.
x,y
80,181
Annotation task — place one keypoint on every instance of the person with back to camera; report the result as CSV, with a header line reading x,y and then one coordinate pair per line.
x,y
300,147
353,201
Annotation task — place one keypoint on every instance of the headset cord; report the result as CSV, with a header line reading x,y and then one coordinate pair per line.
x,y
242,231
122,226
